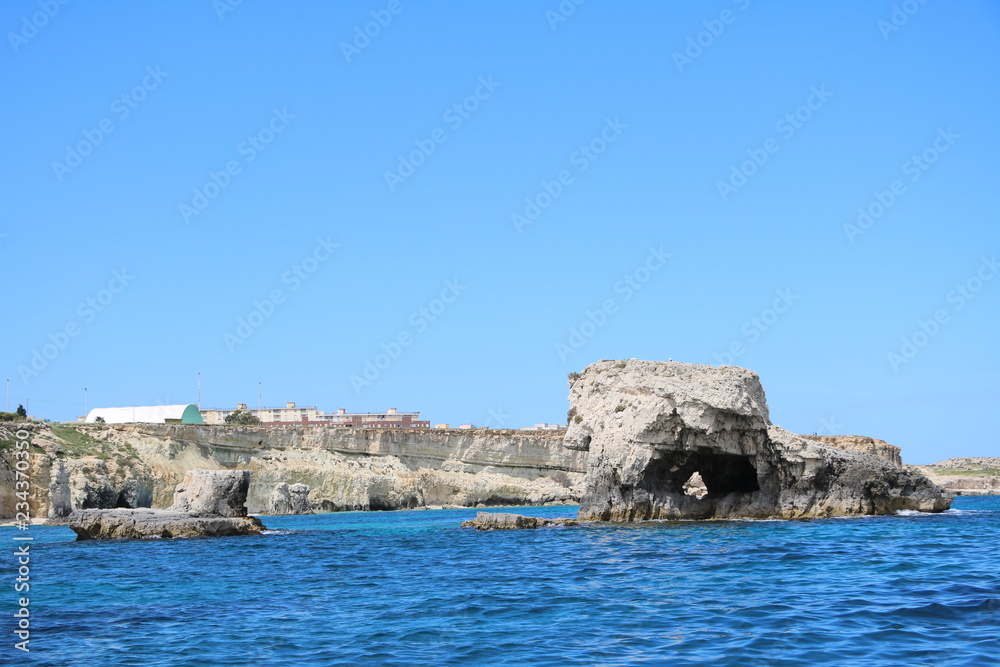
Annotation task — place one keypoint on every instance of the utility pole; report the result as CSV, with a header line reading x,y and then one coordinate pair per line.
x,y
86,404
199,390
8,394
258,399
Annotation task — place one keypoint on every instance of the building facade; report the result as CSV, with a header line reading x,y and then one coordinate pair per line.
x,y
310,416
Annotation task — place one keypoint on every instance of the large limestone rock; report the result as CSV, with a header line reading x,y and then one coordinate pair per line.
x,y
651,426
208,503
212,493
149,523
289,499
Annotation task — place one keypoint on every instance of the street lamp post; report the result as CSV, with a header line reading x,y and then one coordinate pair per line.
x,y
199,390
258,399
86,404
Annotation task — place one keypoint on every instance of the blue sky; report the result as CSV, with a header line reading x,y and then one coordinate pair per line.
x,y
452,214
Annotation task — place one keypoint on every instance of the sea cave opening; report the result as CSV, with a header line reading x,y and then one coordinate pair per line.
x,y
703,473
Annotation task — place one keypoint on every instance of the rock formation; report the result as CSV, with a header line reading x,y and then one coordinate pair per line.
x,y
212,493
509,521
92,483
289,499
149,523
860,443
208,503
650,426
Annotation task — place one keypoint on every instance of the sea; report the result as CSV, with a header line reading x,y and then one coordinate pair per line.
x,y
413,588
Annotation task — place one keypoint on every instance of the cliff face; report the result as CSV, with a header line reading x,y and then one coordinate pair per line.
x,y
299,469
66,474
650,427
860,443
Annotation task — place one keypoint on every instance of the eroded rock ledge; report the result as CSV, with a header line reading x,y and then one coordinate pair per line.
x,y
510,521
650,427
208,503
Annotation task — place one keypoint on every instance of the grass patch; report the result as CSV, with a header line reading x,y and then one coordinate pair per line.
x,y
80,444
985,471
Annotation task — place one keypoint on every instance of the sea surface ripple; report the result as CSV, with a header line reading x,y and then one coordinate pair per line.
x,y
412,588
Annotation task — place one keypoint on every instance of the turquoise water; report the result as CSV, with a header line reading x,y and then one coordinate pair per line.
x,y
406,588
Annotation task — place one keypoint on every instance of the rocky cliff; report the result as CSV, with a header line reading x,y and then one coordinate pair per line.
x,y
294,469
966,476
860,443
649,427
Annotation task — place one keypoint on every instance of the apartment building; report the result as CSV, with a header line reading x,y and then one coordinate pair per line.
x,y
311,416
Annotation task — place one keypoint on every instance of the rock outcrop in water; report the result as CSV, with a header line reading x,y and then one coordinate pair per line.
x,y
650,426
509,521
208,503
212,493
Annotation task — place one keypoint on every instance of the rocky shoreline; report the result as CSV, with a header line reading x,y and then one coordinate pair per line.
x,y
646,440
966,476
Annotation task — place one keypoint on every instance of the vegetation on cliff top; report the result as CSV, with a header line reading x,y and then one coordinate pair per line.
x,y
75,444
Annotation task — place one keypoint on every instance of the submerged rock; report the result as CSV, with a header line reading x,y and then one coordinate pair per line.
x,y
510,521
650,427
208,503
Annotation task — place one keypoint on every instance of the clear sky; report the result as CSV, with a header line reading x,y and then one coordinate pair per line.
x,y
453,211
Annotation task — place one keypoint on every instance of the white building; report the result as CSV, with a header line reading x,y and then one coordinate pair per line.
x,y
147,414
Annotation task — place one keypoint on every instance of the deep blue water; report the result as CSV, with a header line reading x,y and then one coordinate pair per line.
x,y
406,588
